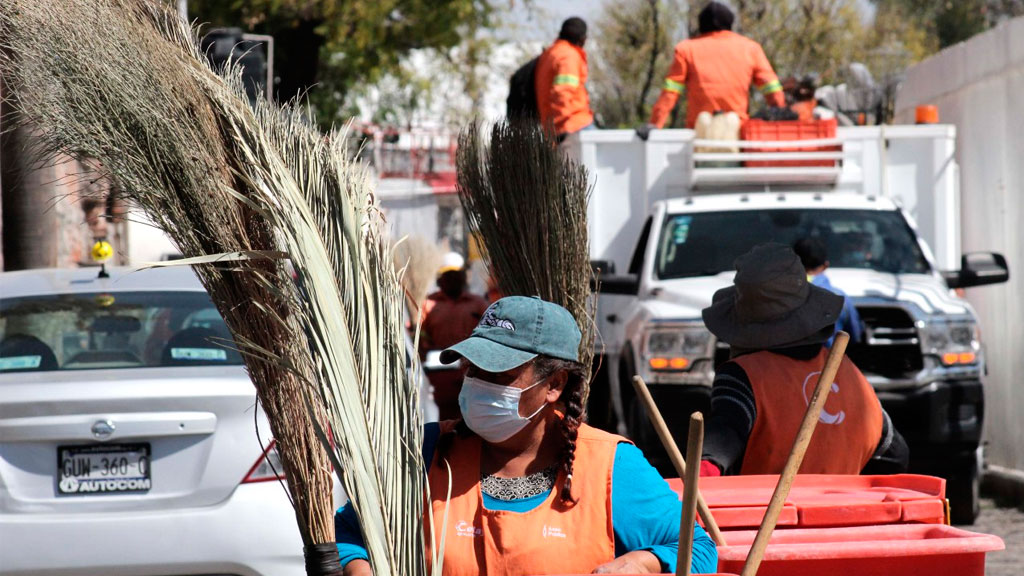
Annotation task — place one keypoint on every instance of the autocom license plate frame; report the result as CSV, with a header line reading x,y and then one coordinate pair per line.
x,y
104,469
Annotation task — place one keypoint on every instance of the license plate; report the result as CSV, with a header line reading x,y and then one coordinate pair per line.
x,y
103,469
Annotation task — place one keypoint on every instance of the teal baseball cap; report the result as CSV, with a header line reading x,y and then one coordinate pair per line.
x,y
515,330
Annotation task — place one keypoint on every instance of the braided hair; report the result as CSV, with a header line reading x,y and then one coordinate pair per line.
x,y
572,398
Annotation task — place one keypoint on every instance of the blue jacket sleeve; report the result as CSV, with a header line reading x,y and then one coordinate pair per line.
x,y
347,535
645,514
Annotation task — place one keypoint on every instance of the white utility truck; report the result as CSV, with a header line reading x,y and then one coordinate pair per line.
x,y
667,221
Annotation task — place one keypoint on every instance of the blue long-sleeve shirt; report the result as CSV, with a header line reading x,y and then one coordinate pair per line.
x,y
849,319
645,513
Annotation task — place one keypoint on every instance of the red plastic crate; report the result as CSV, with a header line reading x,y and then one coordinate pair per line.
x,y
825,500
895,550
789,130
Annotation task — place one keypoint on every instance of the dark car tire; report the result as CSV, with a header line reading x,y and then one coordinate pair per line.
x,y
963,489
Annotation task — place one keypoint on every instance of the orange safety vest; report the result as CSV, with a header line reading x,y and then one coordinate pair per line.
x,y
554,538
848,429
559,81
716,71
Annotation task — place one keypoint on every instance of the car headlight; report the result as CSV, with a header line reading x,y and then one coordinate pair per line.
x,y
674,347
953,342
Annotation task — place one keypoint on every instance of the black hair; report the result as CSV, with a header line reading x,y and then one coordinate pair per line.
x,y
572,400
714,17
812,252
574,31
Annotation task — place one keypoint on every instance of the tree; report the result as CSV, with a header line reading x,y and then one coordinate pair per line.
x,y
805,36
631,48
950,22
328,47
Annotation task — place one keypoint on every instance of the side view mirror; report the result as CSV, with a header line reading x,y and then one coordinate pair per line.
x,y
978,269
627,284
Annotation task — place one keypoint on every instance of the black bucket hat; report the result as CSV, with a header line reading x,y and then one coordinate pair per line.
x,y
771,304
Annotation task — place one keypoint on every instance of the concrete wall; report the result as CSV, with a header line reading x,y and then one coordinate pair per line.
x,y
979,86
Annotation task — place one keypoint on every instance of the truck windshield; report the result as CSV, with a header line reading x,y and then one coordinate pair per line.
x,y
705,244
95,331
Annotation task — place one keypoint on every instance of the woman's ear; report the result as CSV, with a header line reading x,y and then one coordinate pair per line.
x,y
556,385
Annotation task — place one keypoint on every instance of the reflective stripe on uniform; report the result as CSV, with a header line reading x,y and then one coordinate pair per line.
x,y
566,80
673,86
770,87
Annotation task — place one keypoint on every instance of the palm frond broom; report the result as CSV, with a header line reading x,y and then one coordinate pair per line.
x,y
279,226
528,203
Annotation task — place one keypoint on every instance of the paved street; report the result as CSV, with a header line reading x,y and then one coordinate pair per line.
x,y
1008,524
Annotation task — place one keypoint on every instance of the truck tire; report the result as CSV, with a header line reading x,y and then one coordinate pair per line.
x,y
963,489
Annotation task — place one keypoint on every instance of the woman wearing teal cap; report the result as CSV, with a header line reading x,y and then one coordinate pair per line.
x,y
534,490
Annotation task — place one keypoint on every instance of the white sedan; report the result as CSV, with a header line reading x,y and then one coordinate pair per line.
x,y
127,433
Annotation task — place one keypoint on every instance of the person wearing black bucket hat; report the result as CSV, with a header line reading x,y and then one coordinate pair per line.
x,y
776,323
533,489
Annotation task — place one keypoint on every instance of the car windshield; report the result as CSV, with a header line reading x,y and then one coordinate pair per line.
x,y
705,244
112,330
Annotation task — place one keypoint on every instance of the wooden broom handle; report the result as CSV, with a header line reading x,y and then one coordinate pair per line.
x,y
694,445
677,459
796,455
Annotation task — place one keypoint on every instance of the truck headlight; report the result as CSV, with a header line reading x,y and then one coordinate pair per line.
x,y
953,342
675,346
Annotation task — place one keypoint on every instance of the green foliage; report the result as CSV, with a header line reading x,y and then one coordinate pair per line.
x,y
949,22
330,47
630,52
805,36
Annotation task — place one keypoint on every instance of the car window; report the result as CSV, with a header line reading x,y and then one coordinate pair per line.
x,y
705,244
112,330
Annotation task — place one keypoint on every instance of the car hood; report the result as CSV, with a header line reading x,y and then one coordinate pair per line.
x,y
685,298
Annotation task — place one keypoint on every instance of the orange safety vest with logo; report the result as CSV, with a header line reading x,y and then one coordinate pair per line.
x,y
560,80
554,538
716,71
848,429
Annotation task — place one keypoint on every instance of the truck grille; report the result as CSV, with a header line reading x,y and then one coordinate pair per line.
x,y
890,346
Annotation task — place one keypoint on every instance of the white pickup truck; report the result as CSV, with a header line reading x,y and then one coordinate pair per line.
x,y
671,221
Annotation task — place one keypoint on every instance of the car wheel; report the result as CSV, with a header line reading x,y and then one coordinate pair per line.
x,y
964,492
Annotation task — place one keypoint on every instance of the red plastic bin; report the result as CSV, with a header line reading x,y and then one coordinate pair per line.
x,y
825,500
894,550
789,130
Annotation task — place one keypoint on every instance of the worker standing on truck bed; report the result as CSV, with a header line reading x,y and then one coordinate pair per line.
x,y
562,99
715,71
533,489
776,323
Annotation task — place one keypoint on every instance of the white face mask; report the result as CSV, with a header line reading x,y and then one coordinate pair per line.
x,y
492,410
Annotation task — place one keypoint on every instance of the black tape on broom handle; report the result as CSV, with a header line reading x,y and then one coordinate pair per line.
x,y
322,560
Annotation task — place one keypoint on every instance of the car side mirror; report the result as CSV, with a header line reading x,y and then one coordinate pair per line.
x,y
978,269
627,284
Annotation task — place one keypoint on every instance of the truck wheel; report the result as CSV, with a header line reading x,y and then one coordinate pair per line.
x,y
964,492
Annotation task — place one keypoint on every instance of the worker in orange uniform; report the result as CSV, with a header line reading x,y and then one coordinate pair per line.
x,y
776,323
560,79
715,70
448,316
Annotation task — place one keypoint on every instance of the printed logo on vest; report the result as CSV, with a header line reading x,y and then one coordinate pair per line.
x,y
491,319
552,532
464,528
826,417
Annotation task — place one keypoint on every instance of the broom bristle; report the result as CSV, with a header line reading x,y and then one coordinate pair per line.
x,y
123,82
528,203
